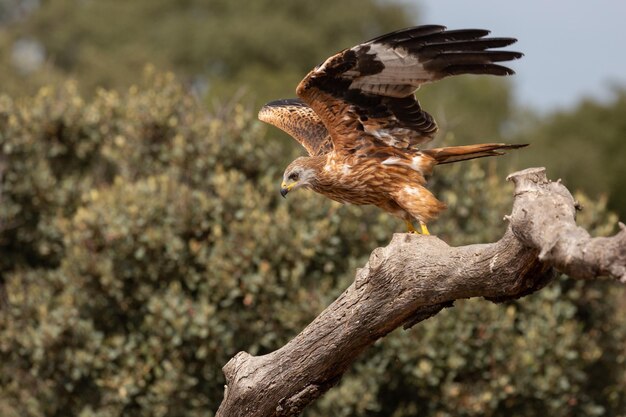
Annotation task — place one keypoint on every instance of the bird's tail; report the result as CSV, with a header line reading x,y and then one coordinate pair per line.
x,y
463,153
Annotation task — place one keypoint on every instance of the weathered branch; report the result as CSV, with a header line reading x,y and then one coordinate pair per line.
x,y
543,218
413,278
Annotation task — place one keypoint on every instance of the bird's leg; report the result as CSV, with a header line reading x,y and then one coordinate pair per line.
x,y
409,227
424,228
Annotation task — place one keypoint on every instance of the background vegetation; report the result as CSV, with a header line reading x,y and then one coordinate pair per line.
x,y
143,241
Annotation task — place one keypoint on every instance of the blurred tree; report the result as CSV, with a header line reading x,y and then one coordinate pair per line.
x,y
458,103
14,10
585,147
261,48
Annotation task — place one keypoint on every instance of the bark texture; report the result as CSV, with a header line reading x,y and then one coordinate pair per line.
x,y
412,279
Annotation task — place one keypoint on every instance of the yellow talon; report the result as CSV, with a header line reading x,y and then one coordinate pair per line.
x,y
411,229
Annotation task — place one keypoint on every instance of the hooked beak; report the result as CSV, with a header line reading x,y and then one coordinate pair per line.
x,y
285,188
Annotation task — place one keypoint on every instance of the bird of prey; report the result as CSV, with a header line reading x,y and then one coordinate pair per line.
x,y
358,118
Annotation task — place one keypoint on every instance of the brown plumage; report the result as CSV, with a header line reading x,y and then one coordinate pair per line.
x,y
358,118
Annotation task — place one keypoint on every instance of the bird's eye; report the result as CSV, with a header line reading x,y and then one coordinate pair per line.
x,y
293,176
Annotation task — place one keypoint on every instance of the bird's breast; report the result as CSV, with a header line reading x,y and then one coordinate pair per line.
x,y
358,180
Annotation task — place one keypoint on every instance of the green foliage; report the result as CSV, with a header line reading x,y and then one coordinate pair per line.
x,y
262,48
50,147
146,244
170,251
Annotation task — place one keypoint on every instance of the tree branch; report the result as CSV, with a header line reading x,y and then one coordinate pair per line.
x,y
543,218
412,279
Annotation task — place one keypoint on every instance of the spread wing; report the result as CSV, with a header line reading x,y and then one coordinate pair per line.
x,y
366,93
300,121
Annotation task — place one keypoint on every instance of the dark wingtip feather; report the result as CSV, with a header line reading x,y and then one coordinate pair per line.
x,y
472,45
501,42
490,69
453,58
408,33
464,33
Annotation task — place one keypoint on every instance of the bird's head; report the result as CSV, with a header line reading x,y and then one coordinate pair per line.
x,y
300,173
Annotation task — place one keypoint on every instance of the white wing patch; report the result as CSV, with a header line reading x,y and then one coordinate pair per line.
x,y
394,161
415,192
418,163
402,75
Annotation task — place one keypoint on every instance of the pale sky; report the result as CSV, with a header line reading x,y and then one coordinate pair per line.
x,y
572,48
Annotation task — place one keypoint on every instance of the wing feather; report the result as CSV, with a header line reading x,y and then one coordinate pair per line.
x,y
296,118
370,87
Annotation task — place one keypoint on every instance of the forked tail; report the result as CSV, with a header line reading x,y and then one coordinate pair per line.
x,y
463,153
